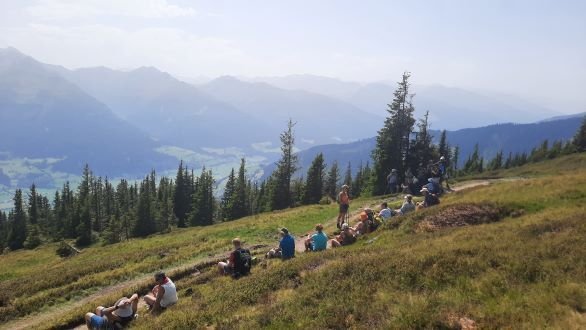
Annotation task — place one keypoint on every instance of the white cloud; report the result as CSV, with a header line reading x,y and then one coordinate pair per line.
x,y
169,49
74,9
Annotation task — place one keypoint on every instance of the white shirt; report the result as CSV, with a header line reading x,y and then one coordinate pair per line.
x,y
385,214
170,296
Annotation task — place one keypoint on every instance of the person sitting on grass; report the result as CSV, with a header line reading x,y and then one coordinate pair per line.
x,y
118,315
347,236
408,205
318,241
163,295
286,249
239,262
429,199
385,213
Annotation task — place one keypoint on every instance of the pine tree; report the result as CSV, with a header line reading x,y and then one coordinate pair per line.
x,y
33,209
356,186
392,142
580,137
3,230
203,203
331,186
280,195
348,175
314,186
83,209
227,202
456,159
17,234
182,196
146,223
442,147
240,199
497,162
422,150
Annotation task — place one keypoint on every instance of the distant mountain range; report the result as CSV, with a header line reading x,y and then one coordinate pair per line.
x,y
491,139
320,119
450,108
171,111
53,119
42,115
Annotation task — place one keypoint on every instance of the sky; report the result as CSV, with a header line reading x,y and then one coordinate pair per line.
x,y
532,49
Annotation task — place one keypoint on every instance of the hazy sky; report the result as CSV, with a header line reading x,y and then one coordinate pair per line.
x,y
534,49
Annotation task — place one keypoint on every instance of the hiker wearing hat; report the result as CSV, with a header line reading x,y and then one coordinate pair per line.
x,y
344,201
286,249
443,169
392,182
408,205
347,236
121,312
429,199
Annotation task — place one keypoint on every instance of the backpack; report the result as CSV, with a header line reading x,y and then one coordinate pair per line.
x,y
372,223
243,262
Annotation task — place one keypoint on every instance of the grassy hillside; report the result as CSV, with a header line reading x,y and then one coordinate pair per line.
x,y
511,254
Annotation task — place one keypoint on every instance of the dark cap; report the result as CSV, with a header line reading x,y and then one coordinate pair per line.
x,y
285,231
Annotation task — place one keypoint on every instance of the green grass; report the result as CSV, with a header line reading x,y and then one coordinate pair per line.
x,y
527,270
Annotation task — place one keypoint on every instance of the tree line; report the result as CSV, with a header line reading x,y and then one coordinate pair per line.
x,y
98,211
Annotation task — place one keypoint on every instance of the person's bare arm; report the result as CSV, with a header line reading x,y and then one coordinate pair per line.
x,y
160,294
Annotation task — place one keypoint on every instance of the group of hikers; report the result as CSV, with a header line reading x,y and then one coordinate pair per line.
x,y
117,316
435,173
368,221
239,263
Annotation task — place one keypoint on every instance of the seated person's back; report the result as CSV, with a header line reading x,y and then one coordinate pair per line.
x,y
287,245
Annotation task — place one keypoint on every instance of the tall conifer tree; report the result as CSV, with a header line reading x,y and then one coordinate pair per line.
x,y
392,142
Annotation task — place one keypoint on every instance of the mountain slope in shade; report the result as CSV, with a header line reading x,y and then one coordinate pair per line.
x,y
44,115
170,110
320,119
491,139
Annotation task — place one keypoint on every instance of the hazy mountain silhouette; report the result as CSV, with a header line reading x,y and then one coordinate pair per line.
x,y
172,111
449,107
320,119
44,115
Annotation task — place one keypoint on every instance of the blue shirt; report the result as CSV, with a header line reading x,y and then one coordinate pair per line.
x,y
287,246
320,241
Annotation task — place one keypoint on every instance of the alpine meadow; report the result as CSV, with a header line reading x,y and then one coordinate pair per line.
x,y
169,164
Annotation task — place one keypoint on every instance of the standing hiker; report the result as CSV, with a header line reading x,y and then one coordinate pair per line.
x,y
443,169
344,201
392,182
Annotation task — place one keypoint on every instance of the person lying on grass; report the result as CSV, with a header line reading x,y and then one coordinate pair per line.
x,y
347,236
121,312
286,249
318,241
239,262
163,295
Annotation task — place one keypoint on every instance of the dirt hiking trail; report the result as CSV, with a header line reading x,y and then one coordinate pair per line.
x,y
36,320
